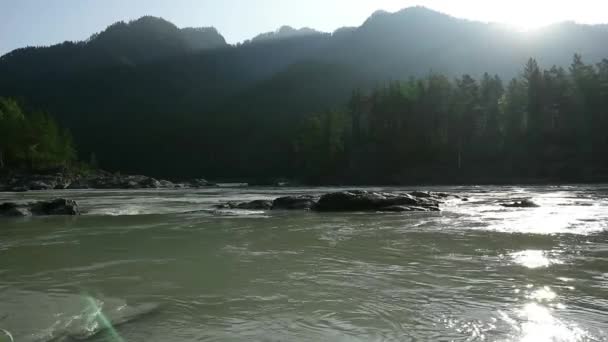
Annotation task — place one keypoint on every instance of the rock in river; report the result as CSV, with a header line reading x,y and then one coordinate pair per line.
x,y
253,205
526,203
353,200
60,206
302,202
359,200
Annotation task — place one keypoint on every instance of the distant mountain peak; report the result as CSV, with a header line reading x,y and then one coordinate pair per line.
x,y
149,19
285,32
380,13
200,38
418,9
151,32
414,11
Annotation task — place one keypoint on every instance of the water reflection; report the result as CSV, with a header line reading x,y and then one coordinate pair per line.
x,y
539,324
543,294
533,259
474,272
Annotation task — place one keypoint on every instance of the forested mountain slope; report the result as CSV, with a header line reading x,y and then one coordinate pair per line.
x,y
149,97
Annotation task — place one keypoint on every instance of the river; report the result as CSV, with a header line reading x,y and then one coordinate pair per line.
x,y
179,271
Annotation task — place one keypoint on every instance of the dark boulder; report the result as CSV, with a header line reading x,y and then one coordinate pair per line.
x,y
149,183
40,185
302,202
78,184
165,184
60,206
526,203
253,205
358,200
10,209
422,194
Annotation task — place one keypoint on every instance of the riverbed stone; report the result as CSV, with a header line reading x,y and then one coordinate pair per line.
x,y
59,206
301,202
11,209
526,203
252,205
40,185
361,200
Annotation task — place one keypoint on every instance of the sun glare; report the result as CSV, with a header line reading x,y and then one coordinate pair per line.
x,y
526,20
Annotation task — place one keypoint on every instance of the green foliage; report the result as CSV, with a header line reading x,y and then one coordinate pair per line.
x,y
321,142
32,140
546,123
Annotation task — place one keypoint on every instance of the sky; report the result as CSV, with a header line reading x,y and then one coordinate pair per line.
x,y
44,22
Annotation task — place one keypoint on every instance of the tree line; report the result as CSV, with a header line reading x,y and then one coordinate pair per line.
x,y
32,140
544,124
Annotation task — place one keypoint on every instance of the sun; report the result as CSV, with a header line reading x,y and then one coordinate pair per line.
x,y
529,20
525,23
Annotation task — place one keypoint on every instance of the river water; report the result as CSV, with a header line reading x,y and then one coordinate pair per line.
x,y
179,271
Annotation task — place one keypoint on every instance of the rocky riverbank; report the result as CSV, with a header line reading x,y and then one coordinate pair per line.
x,y
94,180
341,201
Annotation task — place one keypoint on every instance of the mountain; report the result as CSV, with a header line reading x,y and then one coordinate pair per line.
x,y
285,32
417,40
165,97
141,41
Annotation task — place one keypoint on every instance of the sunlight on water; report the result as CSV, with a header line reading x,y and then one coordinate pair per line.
x,y
477,271
558,213
533,259
543,294
540,325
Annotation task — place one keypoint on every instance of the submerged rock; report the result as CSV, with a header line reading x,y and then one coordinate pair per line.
x,y
253,205
60,206
302,202
402,209
37,316
526,203
359,200
115,316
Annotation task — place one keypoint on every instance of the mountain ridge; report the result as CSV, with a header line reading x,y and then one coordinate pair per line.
x,y
145,74
287,31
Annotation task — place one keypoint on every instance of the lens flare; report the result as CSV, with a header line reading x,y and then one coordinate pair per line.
x,y
98,318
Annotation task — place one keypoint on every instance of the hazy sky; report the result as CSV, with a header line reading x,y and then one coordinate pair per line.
x,y
44,22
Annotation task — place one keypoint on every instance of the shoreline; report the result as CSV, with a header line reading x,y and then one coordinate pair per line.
x,y
16,181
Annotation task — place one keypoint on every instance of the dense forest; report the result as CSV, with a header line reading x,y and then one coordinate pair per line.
x,y
546,124
147,97
32,140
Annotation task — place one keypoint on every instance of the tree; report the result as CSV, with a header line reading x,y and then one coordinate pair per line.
x,y
467,112
11,121
33,139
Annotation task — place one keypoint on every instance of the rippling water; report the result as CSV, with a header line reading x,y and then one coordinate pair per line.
x,y
474,272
